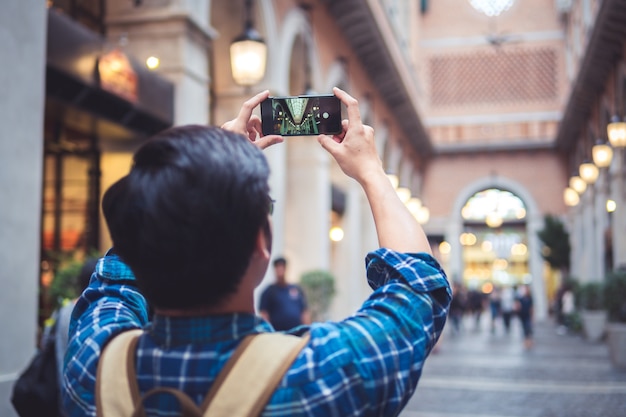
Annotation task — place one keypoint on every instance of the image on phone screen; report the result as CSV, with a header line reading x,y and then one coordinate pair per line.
x,y
301,115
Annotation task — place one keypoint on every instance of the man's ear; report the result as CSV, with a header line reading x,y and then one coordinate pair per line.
x,y
263,244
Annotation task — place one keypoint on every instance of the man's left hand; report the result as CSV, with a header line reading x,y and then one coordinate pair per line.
x,y
249,124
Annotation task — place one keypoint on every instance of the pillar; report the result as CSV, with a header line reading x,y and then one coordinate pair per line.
x,y
178,34
618,224
23,44
308,204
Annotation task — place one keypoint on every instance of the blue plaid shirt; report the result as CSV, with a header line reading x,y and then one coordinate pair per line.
x,y
366,365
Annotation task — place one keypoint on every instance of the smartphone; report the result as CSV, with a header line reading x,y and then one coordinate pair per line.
x,y
301,115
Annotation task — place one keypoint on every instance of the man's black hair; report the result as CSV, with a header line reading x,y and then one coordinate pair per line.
x,y
186,217
280,261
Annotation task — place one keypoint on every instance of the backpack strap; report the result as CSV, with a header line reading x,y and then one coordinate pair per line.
x,y
116,392
256,367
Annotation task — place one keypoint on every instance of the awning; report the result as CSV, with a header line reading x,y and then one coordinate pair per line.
x,y
130,95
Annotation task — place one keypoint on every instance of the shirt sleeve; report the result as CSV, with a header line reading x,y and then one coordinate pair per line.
x,y
374,359
109,305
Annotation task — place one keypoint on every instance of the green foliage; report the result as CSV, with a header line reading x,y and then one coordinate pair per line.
x,y
556,243
615,296
590,296
319,288
65,282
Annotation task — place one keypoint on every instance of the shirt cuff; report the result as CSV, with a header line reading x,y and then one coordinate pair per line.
x,y
421,270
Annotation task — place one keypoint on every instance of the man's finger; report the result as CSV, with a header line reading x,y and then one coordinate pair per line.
x,y
269,140
352,105
249,105
328,143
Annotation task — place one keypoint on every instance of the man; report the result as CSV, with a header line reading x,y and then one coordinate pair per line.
x,y
284,304
191,230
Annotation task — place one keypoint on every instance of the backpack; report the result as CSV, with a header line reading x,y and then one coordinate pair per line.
x,y
256,368
36,390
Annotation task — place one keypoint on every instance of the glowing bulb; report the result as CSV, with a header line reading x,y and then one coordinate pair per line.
x,y
336,234
611,206
152,62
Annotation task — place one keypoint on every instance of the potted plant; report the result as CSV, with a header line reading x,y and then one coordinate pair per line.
x,y
319,288
615,299
590,300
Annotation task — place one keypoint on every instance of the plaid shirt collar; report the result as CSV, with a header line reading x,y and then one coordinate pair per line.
x,y
168,331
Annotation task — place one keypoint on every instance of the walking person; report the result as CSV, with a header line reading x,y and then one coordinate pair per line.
x,y
192,235
495,307
524,310
507,306
284,304
457,306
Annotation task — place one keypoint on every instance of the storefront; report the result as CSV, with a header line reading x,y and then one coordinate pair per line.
x,y
97,99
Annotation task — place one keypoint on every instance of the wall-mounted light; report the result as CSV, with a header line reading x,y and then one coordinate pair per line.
x,y
602,154
152,62
404,194
248,53
414,205
588,172
423,215
616,131
570,197
611,206
336,234
445,248
578,184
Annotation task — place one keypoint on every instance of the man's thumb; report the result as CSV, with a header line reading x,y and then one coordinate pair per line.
x,y
327,143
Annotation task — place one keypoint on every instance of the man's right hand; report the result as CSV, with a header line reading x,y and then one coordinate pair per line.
x,y
354,148
355,152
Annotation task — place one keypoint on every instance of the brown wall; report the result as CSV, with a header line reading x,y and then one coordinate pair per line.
x,y
540,172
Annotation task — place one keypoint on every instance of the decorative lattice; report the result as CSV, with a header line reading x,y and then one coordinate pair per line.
x,y
494,77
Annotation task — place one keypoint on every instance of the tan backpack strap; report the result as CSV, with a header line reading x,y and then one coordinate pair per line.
x,y
256,368
187,407
117,392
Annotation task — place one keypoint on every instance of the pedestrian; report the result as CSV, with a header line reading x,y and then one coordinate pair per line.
x,y
283,304
192,232
507,306
457,306
567,308
495,307
524,309
476,305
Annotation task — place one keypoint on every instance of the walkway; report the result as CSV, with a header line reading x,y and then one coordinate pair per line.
x,y
480,374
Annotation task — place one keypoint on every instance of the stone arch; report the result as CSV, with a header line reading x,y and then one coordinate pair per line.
x,y
534,222
270,32
295,26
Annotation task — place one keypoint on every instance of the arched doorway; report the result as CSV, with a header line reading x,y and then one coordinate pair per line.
x,y
494,241
528,268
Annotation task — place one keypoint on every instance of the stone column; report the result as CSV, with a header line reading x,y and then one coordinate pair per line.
x,y
178,33
585,273
454,229
601,224
348,262
535,267
618,194
23,44
308,204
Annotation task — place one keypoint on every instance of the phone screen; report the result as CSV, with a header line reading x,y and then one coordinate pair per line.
x,y
301,115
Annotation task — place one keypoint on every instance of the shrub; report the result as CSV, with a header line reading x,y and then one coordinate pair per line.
x,y
590,296
319,288
615,296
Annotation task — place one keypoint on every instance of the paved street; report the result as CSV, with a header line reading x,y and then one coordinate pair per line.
x,y
479,374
